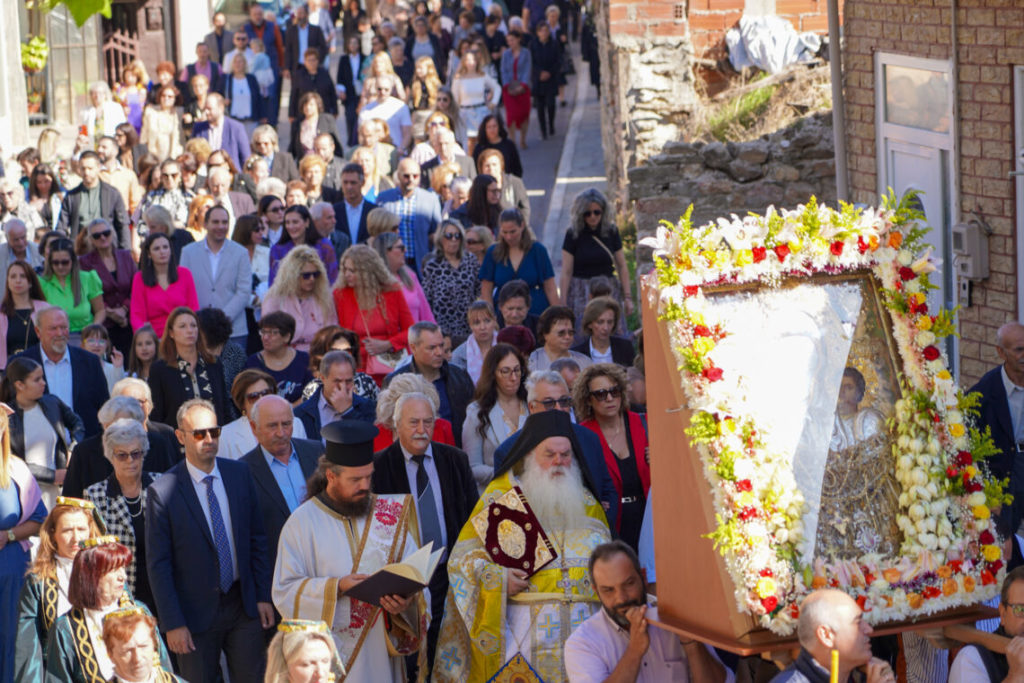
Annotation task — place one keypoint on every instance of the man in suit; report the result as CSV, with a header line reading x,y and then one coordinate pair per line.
x,y
203,65
280,465
280,163
548,391
221,271
454,385
73,375
419,211
323,145
350,214
335,400
206,553
300,36
311,77
442,482
1002,410
447,154
17,248
219,40
223,132
350,86
237,204
93,199
325,222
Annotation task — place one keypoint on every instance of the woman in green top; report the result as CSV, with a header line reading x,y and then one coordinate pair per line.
x,y
78,292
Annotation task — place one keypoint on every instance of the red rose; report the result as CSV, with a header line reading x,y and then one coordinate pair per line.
x,y
690,290
862,246
972,487
987,578
907,273
869,578
931,592
862,601
747,513
760,253
964,458
744,485
701,331
986,537
712,373
782,251
770,603
955,565
920,309
794,610
952,472
837,248
931,353
765,572
994,567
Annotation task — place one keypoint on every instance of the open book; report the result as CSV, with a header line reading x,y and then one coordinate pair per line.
x,y
402,578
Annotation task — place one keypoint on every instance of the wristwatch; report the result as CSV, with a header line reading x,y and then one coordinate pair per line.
x,y
10,536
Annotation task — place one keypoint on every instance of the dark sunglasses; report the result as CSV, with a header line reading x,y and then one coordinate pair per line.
x,y
200,434
399,247
595,212
453,236
134,455
605,394
257,395
564,333
474,242
61,262
311,276
102,234
550,403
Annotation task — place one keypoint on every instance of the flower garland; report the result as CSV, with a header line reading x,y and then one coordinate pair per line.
x,y
950,555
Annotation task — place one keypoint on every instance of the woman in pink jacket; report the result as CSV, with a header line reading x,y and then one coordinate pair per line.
x,y
160,286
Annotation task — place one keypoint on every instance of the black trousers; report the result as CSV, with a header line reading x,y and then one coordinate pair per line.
x,y
234,633
545,105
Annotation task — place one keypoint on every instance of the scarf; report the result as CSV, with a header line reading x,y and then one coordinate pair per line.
x,y
202,380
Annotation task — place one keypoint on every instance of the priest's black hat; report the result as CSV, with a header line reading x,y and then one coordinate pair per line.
x,y
349,442
540,426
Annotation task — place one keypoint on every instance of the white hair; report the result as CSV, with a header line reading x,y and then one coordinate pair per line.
x,y
122,384
254,412
543,377
412,396
125,432
317,210
120,407
14,223
274,186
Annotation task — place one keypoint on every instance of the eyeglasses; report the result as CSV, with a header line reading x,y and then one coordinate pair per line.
x,y
61,262
398,247
200,434
102,234
311,276
595,212
275,209
1016,608
269,332
134,455
257,395
605,394
453,236
564,333
506,372
472,241
550,403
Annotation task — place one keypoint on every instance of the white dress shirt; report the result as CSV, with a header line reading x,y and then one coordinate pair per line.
x,y
353,214
197,476
1015,399
58,377
435,486
214,257
598,357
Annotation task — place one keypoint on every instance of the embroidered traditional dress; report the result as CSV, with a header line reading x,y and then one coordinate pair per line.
x,y
483,628
318,546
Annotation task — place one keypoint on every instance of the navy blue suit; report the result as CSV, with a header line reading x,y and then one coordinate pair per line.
x,y
341,221
234,140
994,412
593,456
309,412
182,562
88,385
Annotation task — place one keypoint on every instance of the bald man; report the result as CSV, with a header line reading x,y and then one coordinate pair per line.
x,y
1002,410
831,620
419,210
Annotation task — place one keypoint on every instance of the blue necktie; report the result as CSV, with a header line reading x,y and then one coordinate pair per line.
x,y
430,523
220,538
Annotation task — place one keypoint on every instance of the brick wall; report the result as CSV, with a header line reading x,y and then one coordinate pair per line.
x,y
991,41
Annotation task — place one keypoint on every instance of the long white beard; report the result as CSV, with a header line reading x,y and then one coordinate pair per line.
x,y
558,501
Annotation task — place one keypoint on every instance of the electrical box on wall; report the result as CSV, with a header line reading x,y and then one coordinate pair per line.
x,y
970,246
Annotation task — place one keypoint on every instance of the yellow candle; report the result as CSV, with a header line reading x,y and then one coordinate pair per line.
x,y
834,673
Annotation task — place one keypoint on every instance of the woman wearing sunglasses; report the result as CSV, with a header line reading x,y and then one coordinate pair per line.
x,y
599,394
302,290
392,250
555,333
38,425
78,292
450,278
116,270
184,370
121,498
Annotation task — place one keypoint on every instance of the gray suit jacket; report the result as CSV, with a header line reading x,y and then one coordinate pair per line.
x,y
226,43
7,258
231,290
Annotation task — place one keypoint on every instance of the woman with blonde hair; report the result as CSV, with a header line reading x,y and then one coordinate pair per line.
x,y
44,596
370,302
475,92
423,94
195,223
374,182
408,383
49,139
302,290
381,65
301,652
380,221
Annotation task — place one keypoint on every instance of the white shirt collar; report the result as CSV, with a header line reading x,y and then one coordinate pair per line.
x,y
1008,383
67,357
408,455
198,475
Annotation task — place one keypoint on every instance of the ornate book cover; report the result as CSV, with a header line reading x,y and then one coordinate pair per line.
x,y
513,535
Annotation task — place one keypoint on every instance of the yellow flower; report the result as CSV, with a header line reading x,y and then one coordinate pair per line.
x,y
991,552
924,323
919,297
727,425
745,499
944,374
971,471
765,587
981,511
794,245
956,429
703,345
744,257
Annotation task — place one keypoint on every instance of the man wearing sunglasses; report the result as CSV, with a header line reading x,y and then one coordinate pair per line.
x,y
977,663
547,390
206,553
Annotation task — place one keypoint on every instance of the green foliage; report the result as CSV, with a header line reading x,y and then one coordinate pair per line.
x,y
810,217
726,535
742,111
80,10
703,427
944,324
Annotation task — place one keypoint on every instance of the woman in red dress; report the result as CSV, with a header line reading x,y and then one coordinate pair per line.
x,y
515,74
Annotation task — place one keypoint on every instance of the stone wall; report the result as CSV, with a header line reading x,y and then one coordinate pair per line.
x,y
783,169
991,42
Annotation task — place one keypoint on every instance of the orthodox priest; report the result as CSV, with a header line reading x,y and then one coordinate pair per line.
x,y
506,619
342,534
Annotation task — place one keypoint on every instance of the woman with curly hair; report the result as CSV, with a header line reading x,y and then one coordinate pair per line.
x,y
298,231
370,302
599,394
593,247
337,338
498,409
302,290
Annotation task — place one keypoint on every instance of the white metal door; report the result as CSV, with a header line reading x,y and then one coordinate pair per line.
x,y
1018,136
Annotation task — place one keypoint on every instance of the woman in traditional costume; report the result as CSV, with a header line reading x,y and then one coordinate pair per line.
x,y
132,642
302,652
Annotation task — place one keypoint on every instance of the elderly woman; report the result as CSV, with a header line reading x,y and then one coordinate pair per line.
x,y
450,278
407,383
391,249
288,367
478,239
337,338
74,651
121,498
157,219
249,386
498,409
132,643
116,270
44,597
303,652
103,117
303,291
555,332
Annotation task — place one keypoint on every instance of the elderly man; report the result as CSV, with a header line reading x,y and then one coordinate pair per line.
x,y
548,391
326,149
318,560
977,664
325,221
265,143
237,204
447,153
443,483
1002,410
14,207
386,107
17,247
418,210
222,131
92,199
454,385
499,612
618,644
831,620
334,399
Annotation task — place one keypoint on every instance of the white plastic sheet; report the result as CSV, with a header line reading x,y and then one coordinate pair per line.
x,y
770,43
